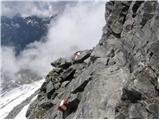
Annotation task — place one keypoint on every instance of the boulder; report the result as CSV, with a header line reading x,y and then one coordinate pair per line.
x,y
49,87
61,63
46,105
80,56
68,74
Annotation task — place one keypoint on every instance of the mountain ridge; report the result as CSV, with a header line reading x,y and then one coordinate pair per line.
x,y
19,32
116,79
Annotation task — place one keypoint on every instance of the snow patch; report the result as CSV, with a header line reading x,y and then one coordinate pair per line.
x,y
14,97
22,114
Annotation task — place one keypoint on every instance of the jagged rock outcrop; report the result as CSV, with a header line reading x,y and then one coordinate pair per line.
x,y
116,79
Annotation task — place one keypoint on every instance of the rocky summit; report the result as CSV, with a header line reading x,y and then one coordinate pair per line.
x,y
118,78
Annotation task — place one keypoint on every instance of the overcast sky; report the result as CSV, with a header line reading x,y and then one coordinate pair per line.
x,y
79,28
28,8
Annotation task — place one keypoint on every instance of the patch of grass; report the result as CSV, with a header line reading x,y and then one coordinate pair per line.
x,y
40,113
52,75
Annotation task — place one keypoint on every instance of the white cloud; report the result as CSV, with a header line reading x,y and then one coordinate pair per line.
x,y
79,28
28,8
9,62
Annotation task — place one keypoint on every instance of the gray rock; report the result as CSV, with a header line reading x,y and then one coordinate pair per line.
x,y
153,107
43,87
134,112
62,63
57,85
83,55
131,95
49,87
117,27
46,105
68,74
80,86
65,83
120,116
58,70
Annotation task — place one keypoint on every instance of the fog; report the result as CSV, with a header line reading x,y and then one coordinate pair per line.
x,y
78,28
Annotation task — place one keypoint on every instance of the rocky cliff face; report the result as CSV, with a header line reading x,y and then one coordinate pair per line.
x,y
116,79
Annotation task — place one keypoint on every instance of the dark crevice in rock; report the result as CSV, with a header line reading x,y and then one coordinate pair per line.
x,y
155,116
154,82
154,71
135,7
121,111
109,6
54,95
111,53
117,109
61,63
107,63
82,86
126,3
146,17
124,13
46,105
72,107
151,54
43,87
130,68
132,95
111,3
93,59
68,74
116,35
153,109
49,94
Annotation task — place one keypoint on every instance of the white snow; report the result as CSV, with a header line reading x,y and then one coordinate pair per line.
x,y
29,21
22,114
16,96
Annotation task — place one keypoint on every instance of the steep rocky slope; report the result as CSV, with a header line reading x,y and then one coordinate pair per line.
x,y
116,79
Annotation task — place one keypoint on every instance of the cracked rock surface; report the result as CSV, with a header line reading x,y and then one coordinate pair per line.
x,y
116,79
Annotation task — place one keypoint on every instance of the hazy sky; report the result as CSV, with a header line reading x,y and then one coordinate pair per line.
x,y
79,28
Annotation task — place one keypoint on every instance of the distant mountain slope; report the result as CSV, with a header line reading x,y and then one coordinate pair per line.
x,y
19,31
